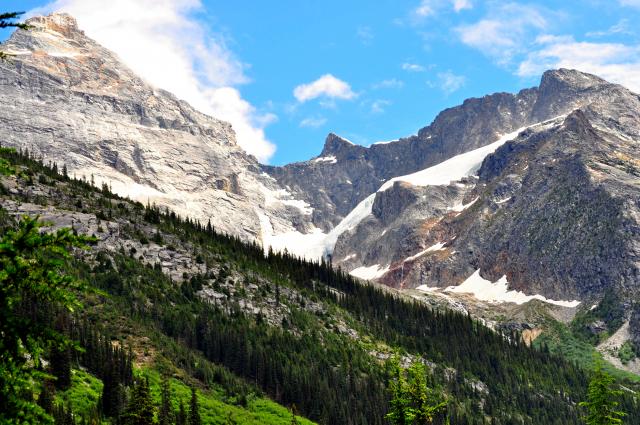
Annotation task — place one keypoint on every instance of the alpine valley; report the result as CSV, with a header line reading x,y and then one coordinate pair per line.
x,y
499,246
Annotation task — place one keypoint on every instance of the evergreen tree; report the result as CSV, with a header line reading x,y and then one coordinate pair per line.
x,y
32,282
140,410
602,404
399,409
165,412
194,409
181,415
424,406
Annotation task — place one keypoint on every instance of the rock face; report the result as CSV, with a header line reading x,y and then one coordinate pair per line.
x,y
64,97
344,174
556,210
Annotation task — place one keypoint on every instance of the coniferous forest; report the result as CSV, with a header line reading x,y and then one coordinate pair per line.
x,y
302,359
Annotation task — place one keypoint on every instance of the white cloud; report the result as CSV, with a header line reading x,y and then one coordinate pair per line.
x,y
450,82
164,44
428,8
615,62
325,86
632,3
412,67
365,34
392,83
378,106
505,32
459,5
621,27
313,122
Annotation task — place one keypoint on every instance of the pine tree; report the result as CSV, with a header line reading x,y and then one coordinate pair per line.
x,y
181,415
165,412
140,410
424,408
602,404
194,409
399,413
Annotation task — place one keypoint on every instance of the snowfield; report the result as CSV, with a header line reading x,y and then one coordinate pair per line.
x,y
495,292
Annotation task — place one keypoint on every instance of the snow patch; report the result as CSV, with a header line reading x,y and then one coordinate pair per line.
x,y
460,207
502,201
437,247
369,273
328,159
498,292
282,196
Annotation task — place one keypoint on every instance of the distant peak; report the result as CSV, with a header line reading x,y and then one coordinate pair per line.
x,y
334,144
570,77
62,23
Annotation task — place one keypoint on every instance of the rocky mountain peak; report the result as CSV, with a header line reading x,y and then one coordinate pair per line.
x,y
61,23
570,78
335,145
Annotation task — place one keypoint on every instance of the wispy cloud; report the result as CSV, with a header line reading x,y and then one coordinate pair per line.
x,y
615,62
365,34
163,42
412,67
631,3
313,122
621,27
428,8
505,31
378,106
391,83
326,86
450,82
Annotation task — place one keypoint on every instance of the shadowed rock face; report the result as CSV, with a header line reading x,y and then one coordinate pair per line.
x,y
334,189
67,98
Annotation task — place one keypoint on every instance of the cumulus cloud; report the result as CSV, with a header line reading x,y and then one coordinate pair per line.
x,y
326,86
313,122
165,44
615,62
365,34
504,33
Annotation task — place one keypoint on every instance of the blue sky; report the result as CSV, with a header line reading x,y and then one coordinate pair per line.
x,y
288,72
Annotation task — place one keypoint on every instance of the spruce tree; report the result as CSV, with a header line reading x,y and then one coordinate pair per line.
x,y
399,413
140,410
181,415
194,409
602,404
165,412
424,405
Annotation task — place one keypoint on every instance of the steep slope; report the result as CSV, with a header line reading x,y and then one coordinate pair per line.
x,y
210,310
344,174
71,101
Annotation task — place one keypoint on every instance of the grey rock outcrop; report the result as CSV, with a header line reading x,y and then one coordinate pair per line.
x,y
68,99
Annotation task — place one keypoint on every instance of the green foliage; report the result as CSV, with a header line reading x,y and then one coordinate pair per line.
x,y
33,283
140,409
412,402
194,409
602,401
626,352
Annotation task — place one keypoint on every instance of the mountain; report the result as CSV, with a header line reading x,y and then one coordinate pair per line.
x,y
521,209
66,98
257,334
